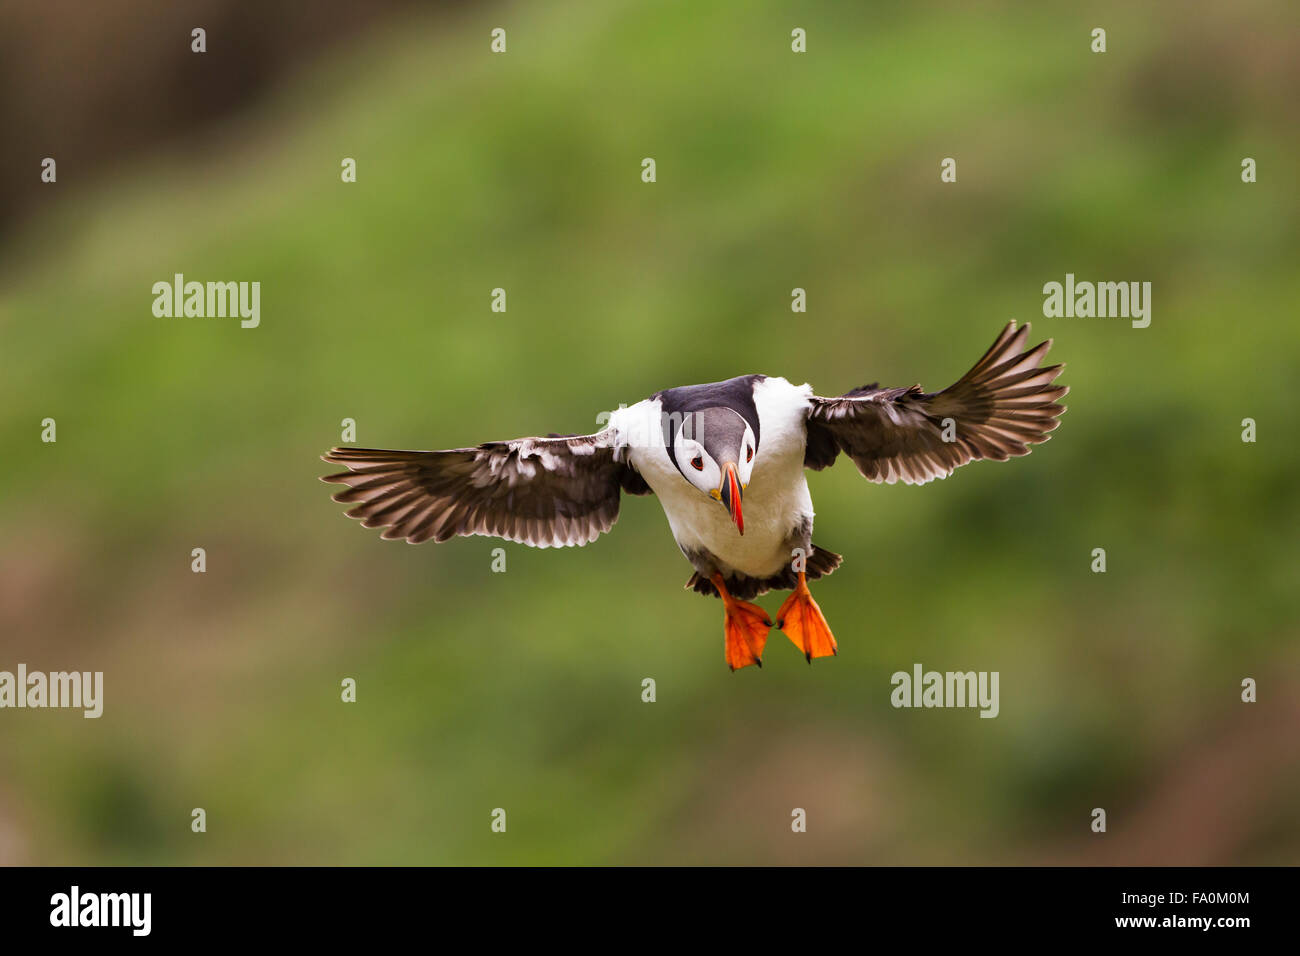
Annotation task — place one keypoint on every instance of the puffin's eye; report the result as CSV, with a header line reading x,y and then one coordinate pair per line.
x,y
749,454
697,463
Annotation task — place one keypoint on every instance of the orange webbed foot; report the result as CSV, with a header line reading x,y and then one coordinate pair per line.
x,y
746,626
805,625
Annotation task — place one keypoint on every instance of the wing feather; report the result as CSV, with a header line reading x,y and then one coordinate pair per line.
x,y
1004,404
556,491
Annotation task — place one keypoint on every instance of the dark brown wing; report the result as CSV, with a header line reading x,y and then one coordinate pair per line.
x,y
544,492
999,408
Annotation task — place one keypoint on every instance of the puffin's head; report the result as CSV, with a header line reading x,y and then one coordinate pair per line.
x,y
714,450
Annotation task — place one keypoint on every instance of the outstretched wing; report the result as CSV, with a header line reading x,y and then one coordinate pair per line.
x,y
999,408
545,492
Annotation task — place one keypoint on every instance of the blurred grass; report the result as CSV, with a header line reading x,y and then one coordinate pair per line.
x,y
522,690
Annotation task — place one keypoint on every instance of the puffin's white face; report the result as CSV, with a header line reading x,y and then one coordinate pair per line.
x,y
748,451
697,465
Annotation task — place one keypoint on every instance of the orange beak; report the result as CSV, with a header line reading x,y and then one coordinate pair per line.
x,y
730,494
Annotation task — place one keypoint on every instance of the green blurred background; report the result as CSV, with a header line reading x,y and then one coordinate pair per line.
x,y
522,690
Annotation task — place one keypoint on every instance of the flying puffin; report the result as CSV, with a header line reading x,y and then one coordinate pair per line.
x,y
727,462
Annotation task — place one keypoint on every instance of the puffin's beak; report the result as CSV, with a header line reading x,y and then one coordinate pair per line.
x,y
730,494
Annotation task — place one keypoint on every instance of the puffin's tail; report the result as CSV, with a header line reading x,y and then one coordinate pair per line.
x,y
822,563
742,587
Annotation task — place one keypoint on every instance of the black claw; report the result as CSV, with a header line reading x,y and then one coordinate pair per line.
x,y
758,661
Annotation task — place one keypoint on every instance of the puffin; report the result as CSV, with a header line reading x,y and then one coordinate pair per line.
x,y
728,463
